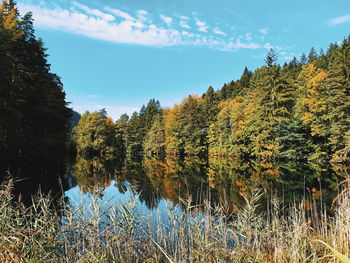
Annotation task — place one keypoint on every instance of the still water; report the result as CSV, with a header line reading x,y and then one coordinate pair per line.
x,y
173,181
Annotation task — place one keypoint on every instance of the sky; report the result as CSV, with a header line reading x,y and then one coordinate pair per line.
x,y
119,54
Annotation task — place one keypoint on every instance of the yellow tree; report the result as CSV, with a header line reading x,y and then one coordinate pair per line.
x,y
172,126
311,106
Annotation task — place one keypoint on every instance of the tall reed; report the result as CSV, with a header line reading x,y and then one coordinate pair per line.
x,y
91,231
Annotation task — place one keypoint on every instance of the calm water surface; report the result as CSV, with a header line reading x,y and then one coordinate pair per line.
x,y
218,182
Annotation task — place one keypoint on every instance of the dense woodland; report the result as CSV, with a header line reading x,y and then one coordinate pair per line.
x,y
34,126
297,112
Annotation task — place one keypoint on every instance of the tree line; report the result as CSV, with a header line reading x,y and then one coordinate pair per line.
x,y
299,111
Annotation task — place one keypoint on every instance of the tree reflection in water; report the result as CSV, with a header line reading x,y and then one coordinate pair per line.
x,y
216,181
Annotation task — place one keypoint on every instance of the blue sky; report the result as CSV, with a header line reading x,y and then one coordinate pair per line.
x,y
118,54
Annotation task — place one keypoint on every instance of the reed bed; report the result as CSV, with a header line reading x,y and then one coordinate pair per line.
x,y
104,232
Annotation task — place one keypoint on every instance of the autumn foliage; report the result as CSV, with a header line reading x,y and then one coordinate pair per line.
x,y
297,112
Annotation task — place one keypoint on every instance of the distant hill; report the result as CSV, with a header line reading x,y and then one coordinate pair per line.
x,y
74,119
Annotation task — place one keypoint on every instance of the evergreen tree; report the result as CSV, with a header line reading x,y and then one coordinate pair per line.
x,y
140,123
271,58
303,59
242,85
154,141
337,95
312,55
34,118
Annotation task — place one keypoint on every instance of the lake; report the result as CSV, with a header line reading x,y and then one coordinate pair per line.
x,y
218,182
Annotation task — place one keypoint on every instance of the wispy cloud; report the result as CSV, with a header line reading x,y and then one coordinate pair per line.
x,y
188,34
233,45
263,30
120,14
118,26
95,12
250,45
201,25
166,19
129,30
184,24
268,46
248,36
339,20
142,12
142,15
217,31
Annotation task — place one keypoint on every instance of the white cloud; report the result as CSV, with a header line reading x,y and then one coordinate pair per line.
x,y
278,48
187,34
184,24
184,17
119,13
95,12
268,46
142,12
201,25
339,20
166,19
135,28
248,36
263,30
235,45
127,31
217,31
238,44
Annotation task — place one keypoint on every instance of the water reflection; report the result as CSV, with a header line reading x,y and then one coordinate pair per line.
x,y
215,181
90,172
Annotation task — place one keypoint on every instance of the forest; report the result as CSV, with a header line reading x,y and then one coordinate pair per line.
x,y
298,112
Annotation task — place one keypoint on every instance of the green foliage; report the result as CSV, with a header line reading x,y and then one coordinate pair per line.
x,y
298,112
154,141
271,58
96,136
295,143
138,126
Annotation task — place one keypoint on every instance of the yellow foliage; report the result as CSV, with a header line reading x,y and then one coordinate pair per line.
x,y
109,122
312,106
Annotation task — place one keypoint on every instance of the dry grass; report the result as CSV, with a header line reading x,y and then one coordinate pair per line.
x,y
119,233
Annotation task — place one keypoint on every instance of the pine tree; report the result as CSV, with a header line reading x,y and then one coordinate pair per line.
x,y
271,58
312,55
303,59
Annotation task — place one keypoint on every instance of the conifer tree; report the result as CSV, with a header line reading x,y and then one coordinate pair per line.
x,y
34,117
